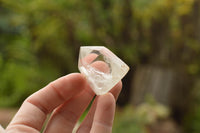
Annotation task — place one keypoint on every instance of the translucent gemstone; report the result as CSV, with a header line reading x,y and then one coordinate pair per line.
x,y
102,69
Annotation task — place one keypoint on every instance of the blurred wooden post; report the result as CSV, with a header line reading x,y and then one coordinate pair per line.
x,y
153,80
167,86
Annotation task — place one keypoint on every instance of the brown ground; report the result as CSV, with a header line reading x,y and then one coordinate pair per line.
x,y
165,126
6,115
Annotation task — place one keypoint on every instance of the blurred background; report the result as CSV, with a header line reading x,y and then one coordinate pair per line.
x,y
158,39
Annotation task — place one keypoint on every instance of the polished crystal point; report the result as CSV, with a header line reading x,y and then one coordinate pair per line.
x,y
102,69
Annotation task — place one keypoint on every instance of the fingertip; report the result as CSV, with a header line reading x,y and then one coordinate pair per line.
x,y
119,86
106,103
75,81
107,98
77,78
116,90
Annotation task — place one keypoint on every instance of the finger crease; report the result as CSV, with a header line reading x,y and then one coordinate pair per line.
x,y
21,124
40,107
57,92
103,123
71,116
84,128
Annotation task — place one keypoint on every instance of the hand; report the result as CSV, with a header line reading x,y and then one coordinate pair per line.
x,y
66,99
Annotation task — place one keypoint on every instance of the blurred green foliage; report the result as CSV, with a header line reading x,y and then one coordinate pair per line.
x,y
132,119
39,40
192,121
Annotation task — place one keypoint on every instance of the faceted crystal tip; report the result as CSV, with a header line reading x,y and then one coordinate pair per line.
x,y
102,69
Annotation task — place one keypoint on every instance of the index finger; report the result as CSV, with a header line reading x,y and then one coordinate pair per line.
x,y
33,111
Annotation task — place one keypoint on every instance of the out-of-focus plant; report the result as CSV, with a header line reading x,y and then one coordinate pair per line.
x,y
138,119
149,113
192,120
44,36
32,49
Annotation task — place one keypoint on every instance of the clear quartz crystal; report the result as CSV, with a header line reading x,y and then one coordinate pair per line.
x,y
102,69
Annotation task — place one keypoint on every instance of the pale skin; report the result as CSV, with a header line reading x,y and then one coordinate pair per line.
x,y
66,99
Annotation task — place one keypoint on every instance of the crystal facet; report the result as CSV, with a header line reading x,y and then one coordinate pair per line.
x,y
102,69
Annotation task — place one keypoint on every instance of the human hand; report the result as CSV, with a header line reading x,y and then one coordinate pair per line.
x,y
66,99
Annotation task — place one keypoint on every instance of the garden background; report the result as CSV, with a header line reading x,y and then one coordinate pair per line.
x,y
158,39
